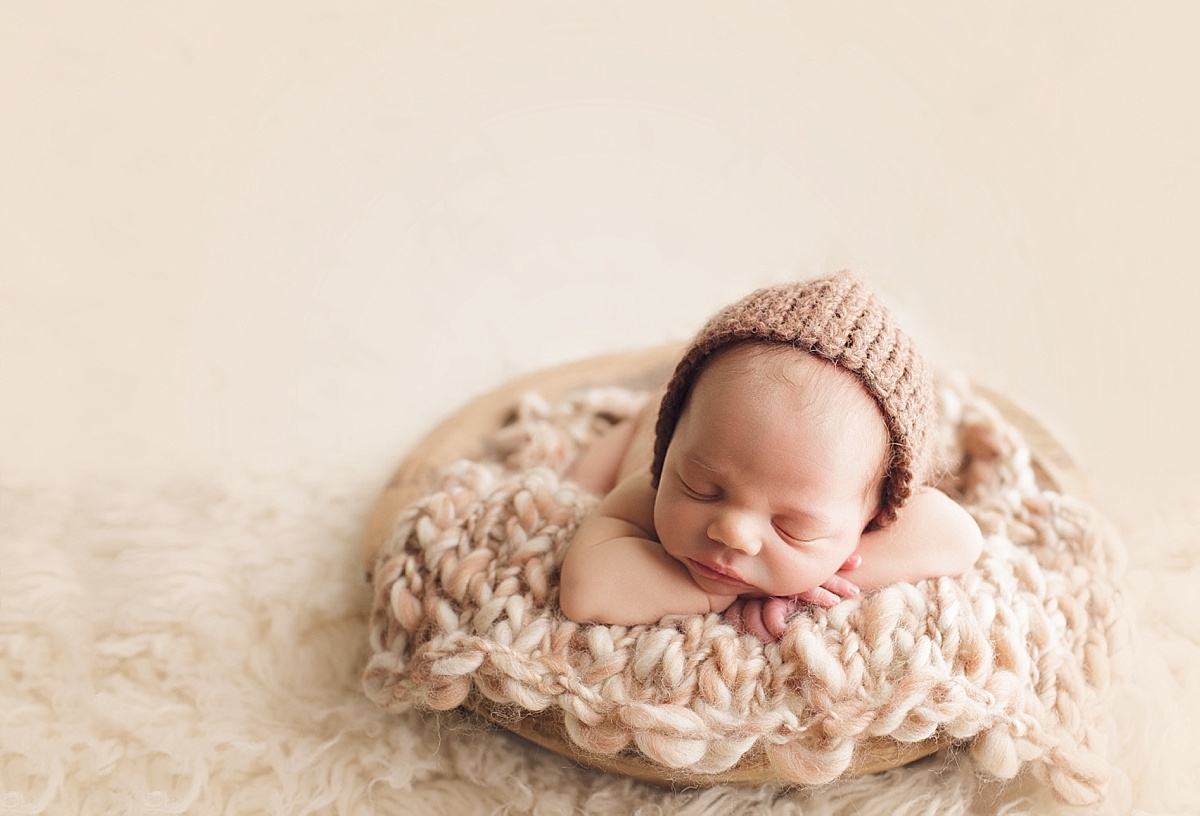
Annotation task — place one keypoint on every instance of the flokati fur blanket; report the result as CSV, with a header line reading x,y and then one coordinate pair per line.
x,y
196,646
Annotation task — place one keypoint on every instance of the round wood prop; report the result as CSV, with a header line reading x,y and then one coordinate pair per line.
x,y
461,436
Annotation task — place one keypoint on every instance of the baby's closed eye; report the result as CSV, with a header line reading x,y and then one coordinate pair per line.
x,y
704,494
792,533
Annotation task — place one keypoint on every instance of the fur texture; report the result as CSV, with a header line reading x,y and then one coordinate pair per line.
x,y
196,647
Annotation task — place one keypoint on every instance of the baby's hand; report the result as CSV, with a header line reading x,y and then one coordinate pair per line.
x,y
766,617
836,588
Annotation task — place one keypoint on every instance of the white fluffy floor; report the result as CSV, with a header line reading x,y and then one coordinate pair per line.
x,y
244,235
196,648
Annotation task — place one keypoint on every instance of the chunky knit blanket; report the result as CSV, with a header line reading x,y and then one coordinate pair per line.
x,y
1013,658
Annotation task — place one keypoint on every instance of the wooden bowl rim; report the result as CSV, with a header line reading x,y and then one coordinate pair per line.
x,y
461,435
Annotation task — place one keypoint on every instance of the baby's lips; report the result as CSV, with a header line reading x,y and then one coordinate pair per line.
x,y
720,573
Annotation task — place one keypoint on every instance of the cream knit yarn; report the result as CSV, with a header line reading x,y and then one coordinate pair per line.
x,y
1013,658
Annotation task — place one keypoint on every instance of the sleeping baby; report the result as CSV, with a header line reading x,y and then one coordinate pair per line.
x,y
787,465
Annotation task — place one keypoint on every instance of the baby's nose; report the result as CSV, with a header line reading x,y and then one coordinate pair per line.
x,y
736,531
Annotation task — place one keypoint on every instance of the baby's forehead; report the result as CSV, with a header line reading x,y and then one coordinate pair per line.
x,y
760,364
798,387
826,402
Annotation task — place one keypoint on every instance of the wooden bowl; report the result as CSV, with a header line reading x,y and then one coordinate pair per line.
x,y
461,436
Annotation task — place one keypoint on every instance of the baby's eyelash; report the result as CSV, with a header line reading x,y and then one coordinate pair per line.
x,y
789,537
696,494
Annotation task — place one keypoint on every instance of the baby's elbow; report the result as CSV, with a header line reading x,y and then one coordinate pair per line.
x,y
575,599
573,606
959,539
584,607
969,540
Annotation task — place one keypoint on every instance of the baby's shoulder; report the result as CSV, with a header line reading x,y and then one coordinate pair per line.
x,y
632,501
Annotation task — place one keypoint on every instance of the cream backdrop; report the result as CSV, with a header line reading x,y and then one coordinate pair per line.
x,y
273,238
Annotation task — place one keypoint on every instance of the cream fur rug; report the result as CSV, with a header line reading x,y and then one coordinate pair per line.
x,y
197,648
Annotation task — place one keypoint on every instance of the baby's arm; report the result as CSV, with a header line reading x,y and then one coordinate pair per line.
x,y
932,536
598,469
615,572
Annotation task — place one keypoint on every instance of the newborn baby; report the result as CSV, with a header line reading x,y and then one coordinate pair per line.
x,y
786,466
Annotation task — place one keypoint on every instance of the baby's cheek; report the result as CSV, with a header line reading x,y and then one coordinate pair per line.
x,y
659,515
666,511
809,570
672,524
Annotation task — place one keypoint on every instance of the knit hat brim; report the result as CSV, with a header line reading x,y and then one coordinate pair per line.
x,y
839,319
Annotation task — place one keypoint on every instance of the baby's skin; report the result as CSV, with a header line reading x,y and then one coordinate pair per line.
x,y
765,503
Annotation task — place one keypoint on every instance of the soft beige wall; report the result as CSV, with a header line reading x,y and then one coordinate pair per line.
x,y
268,236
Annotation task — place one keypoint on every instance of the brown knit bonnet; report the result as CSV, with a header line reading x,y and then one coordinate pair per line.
x,y
839,319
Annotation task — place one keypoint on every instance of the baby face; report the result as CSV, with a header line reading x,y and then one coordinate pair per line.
x,y
772,474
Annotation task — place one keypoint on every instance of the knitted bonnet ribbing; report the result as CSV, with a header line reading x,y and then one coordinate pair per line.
x,y
840,319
